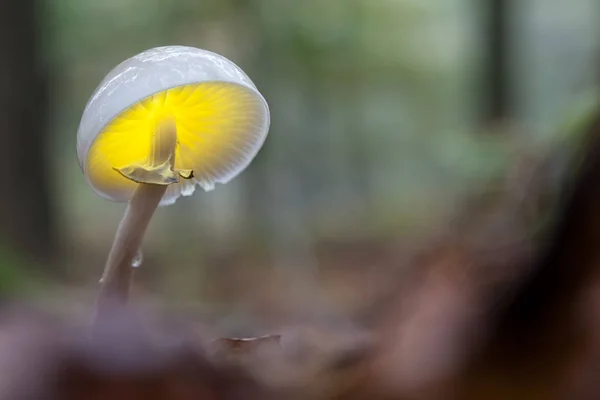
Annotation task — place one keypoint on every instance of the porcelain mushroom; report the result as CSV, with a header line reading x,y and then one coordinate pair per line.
x,y
160,123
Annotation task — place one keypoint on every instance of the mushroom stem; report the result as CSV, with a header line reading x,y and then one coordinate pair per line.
x,y
114,285
115,282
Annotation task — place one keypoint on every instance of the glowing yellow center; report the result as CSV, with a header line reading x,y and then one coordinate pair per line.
x,y
215,125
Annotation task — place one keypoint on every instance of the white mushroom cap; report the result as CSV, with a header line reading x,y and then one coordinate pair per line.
x,y
221,118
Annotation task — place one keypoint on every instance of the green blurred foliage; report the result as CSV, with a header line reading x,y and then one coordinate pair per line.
x,y
374,114
13,272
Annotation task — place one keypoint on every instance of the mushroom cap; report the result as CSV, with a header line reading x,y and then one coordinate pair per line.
x,y
221,118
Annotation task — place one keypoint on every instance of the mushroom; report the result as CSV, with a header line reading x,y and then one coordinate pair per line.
x,y
158,124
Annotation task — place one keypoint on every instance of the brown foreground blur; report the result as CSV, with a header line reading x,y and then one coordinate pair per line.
x,y
493,312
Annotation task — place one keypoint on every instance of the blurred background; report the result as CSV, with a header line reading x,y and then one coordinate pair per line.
x,y
387,117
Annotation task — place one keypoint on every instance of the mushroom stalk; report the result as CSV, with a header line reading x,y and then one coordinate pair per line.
x,y
153,177
114,285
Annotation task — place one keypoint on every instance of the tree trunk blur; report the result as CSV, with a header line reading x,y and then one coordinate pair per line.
x,y
497,85
25,212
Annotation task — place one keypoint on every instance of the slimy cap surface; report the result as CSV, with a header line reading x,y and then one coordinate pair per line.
x,y
221,120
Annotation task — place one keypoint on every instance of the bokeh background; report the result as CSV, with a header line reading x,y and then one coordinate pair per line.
x,y
387,117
